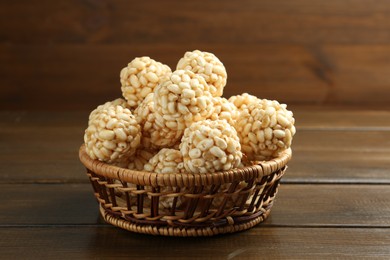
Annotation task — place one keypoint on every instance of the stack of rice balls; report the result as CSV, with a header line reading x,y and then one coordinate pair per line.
x,y
178,122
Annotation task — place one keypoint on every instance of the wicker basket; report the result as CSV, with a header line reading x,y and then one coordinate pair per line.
x,y
185,204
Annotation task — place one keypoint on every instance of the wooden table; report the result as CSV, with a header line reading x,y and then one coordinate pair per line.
x,y
334,200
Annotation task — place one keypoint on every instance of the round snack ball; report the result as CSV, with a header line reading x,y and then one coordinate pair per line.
x,y
165,131
210,146
154,133
265,128
243,100
145,109
166,161
223,109
113,135
144,114
140,77
117,102
208,66
183,98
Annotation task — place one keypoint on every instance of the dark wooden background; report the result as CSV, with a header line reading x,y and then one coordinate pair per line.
x,y
61,58
67,54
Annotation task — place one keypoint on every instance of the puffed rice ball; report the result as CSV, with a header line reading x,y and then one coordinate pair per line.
x,y
208,66
140,77
184,96
166,161
144,114
209,146
139,159
243,100
117,102
145,109
166,130
223,109
113,134
265,128
178,102
155,133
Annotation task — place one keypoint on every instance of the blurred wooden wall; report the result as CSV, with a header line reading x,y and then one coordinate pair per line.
x,y
67,54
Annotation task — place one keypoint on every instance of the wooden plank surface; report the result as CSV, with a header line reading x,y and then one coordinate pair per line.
x,y
340,156
43,147
257,243
335,52
301,22
66,56
332,205
364,166
48,209
51,204
84,75
296,205
340,118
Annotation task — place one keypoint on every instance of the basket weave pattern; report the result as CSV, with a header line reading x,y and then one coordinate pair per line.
x,y
185,204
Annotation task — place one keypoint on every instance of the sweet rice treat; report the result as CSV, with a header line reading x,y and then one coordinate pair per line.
x,y
210,146
155,133
113,134
166,161
265,128
208,66
145,109
140,77
184,96
117,102
144,114
243,100
178,102
223,109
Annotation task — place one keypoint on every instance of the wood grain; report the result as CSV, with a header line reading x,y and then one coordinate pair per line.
x,y
332,205
70,54
296,205
49,212
334,166
340,118
43,147
340,156
85,76
262,242
301,22
48,204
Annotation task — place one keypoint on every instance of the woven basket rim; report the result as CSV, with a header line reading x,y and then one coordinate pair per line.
x,y
143,178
